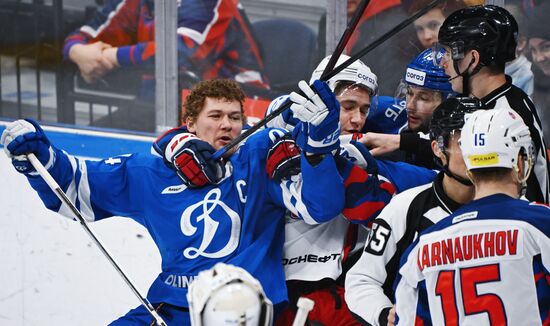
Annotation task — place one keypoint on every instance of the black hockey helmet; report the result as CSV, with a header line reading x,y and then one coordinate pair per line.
x,y
489,29
449,116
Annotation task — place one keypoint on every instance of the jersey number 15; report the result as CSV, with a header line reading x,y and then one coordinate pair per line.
x,y
473,303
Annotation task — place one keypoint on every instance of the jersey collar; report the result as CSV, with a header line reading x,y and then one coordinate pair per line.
x,y
445,201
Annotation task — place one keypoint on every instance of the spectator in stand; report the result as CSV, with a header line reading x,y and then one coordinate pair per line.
x,y
213,40
427,25
539,50
520,68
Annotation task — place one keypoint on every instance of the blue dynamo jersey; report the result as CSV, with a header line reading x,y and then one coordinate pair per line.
x,y
387,115
239,221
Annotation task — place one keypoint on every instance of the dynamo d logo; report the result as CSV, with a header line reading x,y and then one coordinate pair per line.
x,y
206,206
416,77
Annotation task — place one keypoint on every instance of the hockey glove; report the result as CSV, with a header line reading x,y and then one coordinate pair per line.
x,y
359,155
190,156
285,120
283,159
319,113
23,137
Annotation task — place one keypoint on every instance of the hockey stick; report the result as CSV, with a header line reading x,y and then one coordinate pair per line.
x,y
304,307
383,38
333,59
64,199
345,38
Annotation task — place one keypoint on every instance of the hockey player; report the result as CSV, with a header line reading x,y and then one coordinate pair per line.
x,y
476,266
478,41
426,86
369,291
316,257
387,115
223,212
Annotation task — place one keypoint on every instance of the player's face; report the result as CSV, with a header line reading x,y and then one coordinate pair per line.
x,y
456,162
427,27
354,108
540,53
420,104
218,123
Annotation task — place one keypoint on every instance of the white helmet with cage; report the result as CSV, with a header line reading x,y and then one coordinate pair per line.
x,y
495,138
357,72
228,295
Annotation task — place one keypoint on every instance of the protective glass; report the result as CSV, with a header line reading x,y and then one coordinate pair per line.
x,y
401,90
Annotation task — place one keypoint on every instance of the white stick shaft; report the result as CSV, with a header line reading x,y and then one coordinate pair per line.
x,y
64,199
304,307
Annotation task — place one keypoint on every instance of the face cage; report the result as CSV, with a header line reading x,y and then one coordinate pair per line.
x,y
528,166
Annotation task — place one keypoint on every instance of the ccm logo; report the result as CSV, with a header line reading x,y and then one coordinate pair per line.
x,y
415,76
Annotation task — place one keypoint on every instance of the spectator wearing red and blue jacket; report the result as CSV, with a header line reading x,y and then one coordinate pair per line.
x,y
213,41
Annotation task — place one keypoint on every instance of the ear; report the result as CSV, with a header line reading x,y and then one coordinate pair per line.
x,y
190,123
438,152
475,59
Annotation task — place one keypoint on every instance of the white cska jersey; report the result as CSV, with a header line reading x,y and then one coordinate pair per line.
x,y
316,252
476,267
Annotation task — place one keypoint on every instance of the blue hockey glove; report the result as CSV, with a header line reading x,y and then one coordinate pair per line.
x,y
23,137
319,113
283,159
190,156
359,155
285,120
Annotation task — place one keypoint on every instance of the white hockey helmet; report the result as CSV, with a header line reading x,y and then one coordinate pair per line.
x,y
228,295
494,138
357,72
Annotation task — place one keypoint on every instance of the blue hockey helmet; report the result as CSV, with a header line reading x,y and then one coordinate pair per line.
x,y
424,72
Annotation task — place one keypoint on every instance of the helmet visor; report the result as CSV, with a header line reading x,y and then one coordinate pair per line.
x,y
443,54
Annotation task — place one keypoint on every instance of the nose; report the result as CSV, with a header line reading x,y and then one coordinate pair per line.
x,y
537,56
356,117
431,35
225,123
409,104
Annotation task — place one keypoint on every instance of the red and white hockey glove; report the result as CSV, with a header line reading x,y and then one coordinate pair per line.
x,y
191,158
283,159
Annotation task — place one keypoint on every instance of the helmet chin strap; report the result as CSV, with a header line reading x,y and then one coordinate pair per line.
x,y
449,173
465,75
464,181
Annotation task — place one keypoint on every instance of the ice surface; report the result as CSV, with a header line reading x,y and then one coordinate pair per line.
x,y
50,271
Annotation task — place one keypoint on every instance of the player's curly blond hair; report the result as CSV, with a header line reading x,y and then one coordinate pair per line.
x,y
225,89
